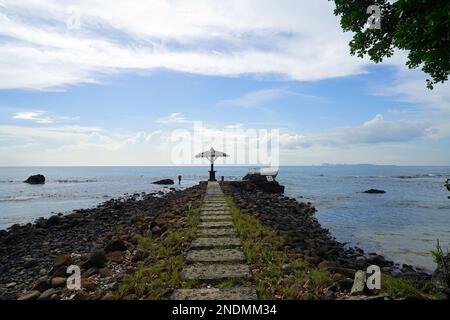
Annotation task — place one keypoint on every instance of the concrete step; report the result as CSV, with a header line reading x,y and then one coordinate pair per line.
x,y
238,293
223,217
216,209
215,212
215,271
216,255
216,224
203,243
217,232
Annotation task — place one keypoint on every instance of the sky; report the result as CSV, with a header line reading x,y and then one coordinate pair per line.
x,y
105,82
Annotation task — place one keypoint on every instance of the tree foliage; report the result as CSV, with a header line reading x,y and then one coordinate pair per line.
x,y
420,27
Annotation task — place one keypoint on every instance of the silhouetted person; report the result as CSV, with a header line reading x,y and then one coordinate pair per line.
x,y
179,179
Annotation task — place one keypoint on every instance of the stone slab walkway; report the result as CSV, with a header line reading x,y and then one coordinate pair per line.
x,y
216,254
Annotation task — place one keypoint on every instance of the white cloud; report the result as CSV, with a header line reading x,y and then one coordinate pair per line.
x,y
35,116
293,39
40,116
79,145
432,106
255,99
376,131
375,141
173,118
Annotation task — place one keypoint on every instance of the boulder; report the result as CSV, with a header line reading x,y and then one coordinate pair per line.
x,y
156,230
164,182
32,295
375,191
36,179
58,282
63,260
260,183
116,256
41,284
96,260
108,296
140,255
115,245
53,220
47,294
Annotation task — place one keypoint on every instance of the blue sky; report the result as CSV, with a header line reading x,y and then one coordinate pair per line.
x,y
115,89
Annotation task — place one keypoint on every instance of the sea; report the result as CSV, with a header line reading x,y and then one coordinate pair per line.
x,y
403,224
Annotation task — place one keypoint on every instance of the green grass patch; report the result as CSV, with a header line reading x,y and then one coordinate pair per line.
x,y
398,288
276,274
158,280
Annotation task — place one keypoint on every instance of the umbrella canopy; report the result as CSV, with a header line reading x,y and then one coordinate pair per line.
x,y
212,155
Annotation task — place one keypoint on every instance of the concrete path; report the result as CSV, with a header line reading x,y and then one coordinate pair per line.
x,y
216,254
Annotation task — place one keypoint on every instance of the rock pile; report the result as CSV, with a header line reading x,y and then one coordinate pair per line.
x,y
303,234
102,241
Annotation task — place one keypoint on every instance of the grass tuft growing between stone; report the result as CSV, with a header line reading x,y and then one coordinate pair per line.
x,y
397,288
157,280
277,274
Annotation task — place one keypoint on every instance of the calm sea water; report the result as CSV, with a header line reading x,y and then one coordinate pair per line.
x,y
402,224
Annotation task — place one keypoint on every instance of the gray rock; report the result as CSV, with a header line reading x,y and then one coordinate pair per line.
x,y
47,294
29,263
345,284
375,191
58,282
63,260
32,295
164,182
115,245
96,260
36,179
42,284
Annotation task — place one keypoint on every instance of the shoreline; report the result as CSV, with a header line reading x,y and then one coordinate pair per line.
x,y
29,251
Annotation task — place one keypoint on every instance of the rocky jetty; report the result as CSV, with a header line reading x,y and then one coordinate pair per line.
x,y
303,234
36,179
103,241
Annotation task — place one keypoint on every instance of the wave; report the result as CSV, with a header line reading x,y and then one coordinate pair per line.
x,y
18,199
414,176
76,181
421,175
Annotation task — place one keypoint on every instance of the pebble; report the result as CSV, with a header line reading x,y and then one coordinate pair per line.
x,y
58,282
